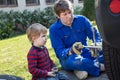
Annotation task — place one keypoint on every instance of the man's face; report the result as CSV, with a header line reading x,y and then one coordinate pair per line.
x,y
66,17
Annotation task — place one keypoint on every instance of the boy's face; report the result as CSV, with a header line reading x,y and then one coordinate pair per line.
x,y
41,40
66,17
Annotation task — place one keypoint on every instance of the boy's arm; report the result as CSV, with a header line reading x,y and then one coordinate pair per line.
x,y
51,61
32,63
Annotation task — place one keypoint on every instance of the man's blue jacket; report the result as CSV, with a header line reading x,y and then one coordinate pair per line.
x,y
62,37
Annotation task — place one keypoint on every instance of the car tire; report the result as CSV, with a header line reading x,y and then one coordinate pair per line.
x,y
112,61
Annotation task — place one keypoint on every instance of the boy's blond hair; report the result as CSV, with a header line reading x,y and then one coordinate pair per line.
x,y
35,30
62,5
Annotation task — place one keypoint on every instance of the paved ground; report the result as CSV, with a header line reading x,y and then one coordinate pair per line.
x,y
103,76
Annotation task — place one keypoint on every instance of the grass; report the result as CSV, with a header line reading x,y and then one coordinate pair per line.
x,y
13,56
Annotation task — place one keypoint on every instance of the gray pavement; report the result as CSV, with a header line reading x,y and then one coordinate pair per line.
x,y
103,76
72,76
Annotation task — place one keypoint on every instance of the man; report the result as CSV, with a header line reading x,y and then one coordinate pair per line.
x,y
69,36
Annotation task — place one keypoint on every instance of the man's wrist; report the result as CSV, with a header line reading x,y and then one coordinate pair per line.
x,y
70,52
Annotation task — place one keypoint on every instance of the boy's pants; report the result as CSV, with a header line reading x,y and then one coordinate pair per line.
x,y
59,76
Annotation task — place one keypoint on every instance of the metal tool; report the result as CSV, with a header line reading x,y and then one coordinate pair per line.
x,y
99,47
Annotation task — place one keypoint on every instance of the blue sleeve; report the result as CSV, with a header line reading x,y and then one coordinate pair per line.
x,y
97,35
89,31
57,44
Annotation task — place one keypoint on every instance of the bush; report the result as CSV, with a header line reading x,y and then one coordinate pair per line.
x,y
15,22
6,23
88,9
77,10
48,17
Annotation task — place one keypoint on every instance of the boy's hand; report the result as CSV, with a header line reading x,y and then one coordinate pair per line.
x,y
51,74
76,48
55,69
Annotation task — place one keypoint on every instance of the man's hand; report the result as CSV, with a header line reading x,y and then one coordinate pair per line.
x,y
95,51
76,48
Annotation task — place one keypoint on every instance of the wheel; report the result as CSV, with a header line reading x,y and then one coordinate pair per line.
x,y
112,61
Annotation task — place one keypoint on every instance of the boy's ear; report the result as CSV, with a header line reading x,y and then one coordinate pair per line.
x,y
33,38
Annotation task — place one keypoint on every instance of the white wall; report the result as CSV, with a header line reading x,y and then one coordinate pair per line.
x,y
22,6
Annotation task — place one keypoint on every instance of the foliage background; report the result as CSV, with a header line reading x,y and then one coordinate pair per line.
x,y
14,47
14,22
88,9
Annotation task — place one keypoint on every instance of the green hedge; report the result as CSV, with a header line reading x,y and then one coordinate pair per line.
x,y
14,22
88,9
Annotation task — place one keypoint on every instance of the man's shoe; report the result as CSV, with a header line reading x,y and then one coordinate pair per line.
x,y
81,74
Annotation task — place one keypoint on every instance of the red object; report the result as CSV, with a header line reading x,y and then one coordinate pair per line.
x,y
115,6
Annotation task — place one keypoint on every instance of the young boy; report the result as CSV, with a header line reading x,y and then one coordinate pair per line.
x,y
39,63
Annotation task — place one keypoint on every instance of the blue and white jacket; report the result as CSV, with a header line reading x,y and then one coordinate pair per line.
x,y
62,37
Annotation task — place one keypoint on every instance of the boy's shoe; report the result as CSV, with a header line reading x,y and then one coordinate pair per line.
x,y
81,74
